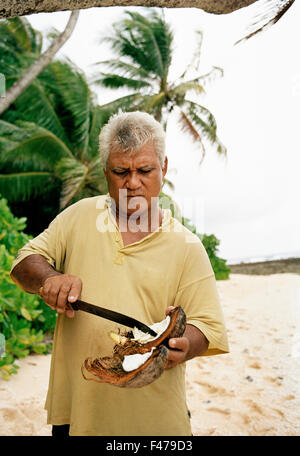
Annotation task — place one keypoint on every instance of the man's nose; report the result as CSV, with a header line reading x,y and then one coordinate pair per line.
x,y
133,181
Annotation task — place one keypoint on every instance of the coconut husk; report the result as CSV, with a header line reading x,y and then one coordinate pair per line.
x,y
110,369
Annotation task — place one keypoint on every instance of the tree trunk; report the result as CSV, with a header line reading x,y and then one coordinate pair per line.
x,y
13,8
34,70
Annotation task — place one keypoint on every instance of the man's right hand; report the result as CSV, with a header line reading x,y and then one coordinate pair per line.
x,y
59,290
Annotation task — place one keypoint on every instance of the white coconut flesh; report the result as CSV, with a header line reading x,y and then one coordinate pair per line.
x,y
159,328
132,362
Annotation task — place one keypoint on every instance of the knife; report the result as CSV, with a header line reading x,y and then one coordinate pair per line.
x,y
111,315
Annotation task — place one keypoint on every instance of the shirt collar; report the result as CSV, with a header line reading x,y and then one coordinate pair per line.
x,y
166,213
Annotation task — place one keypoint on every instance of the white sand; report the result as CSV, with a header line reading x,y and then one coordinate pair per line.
x,y
22,398
254,390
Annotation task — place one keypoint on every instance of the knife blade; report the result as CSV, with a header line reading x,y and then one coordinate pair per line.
x,y
111,315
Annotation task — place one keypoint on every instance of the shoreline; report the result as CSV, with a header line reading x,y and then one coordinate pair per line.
x,y
281,266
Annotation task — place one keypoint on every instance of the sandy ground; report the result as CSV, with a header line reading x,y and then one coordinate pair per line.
x,y
253,391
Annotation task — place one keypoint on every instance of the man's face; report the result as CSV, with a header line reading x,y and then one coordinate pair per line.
x,y
139,177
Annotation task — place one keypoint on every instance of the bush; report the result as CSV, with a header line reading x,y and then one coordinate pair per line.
x,y
210,242
221,270
26,322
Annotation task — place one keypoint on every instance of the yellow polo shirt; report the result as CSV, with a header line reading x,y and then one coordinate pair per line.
x,y
167,267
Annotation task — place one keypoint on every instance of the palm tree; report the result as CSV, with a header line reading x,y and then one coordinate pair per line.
x,y
15,30
52,135
20,46
143,57
49,135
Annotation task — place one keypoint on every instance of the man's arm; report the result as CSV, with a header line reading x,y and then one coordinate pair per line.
x,y
35,275
192,343
31,273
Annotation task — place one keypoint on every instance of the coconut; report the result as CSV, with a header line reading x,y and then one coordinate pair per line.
x,y
138,358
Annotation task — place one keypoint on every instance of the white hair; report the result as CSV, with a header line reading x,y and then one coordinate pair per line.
x,y
128,132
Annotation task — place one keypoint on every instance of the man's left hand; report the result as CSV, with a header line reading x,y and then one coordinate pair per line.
x,y
192,343
179,348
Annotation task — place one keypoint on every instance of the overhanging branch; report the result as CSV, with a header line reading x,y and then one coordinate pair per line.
x,y
13,8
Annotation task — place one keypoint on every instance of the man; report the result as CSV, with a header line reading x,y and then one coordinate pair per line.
x,y
122,251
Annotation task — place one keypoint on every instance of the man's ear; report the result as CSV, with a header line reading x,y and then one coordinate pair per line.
x,y
105,172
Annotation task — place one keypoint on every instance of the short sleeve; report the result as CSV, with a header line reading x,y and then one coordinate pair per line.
x,y
198,296
50,244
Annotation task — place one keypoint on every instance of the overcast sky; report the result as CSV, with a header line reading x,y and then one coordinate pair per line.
x,y
250,201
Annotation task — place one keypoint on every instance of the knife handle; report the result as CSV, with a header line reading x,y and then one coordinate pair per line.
x,y
73,305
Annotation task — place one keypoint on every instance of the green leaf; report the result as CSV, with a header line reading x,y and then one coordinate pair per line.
x,y
26,313
72,173
36,106
188,86
23,316
115,81
23,186
39,348
74,99
29,147
125,69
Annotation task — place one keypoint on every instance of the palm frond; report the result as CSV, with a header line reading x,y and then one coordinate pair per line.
x,y
95,179
137,102
99,117
144,42
161,31
151,103
19,33
114,81
9,61
23,186
185,87
93,182
124,69
142,35
125,47
35,105
203,118
188,127
130,102
204,79
72,174
73,100
195,62
27,147
11,132
20,45
271,11
212,75
204,124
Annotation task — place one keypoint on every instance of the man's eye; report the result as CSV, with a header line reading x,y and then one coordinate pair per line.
x,y
145,171
120,173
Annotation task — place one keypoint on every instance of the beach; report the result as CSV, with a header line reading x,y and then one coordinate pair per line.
x,y
252,391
